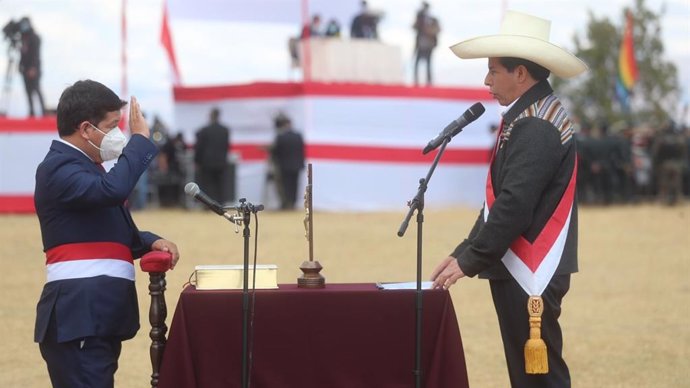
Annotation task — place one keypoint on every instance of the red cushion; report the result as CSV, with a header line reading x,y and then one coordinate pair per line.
x,y
156,261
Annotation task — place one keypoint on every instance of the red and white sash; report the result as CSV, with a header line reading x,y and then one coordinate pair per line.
x,y
533,264
85,260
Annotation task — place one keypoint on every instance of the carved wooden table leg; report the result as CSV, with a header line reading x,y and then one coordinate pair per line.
x,y
158,312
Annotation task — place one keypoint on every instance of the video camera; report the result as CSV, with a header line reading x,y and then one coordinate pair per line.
x,y
14,30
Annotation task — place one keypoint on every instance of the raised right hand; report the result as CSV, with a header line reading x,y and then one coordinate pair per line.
x,y
137,122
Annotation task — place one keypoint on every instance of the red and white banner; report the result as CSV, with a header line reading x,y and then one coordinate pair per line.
x,y
23,145
364,140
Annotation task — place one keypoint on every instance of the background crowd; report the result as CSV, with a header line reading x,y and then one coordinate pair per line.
x,y
213,167
618,164
625,164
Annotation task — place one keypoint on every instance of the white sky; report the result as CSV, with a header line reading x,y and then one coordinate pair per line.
x,y
81,39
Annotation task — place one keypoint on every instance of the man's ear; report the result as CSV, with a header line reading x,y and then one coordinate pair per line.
x,y
83,128
521,73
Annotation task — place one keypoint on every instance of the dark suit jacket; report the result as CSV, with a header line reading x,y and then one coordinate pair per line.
x,y
30,53
212,146
530,174
76,202
288,151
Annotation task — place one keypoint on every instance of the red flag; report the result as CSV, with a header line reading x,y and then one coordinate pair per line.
x,y
167,41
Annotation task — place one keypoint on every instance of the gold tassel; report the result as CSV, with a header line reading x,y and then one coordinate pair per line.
x,y
536,358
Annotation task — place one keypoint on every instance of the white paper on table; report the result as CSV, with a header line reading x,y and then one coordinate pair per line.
x,y
403,285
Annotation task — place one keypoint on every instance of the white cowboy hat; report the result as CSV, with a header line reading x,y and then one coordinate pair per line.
x,y
523,36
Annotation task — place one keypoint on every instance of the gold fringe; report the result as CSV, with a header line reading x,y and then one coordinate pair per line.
x,y
536,357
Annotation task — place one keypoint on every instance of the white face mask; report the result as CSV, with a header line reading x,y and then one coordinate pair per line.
x,y
112,145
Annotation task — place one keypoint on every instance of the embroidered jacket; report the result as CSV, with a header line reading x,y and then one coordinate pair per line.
x,y
534,162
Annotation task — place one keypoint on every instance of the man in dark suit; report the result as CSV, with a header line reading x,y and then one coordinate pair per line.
x,y
211,158
30,64
427,29
287,153
525,238
365,24
89,303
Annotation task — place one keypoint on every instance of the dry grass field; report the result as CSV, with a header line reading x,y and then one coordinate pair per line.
x,y
625,320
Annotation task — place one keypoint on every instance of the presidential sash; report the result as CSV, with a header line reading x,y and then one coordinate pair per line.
x,y
533,264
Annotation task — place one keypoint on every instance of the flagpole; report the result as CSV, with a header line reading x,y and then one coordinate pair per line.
x,y
124,48
123,57
306,60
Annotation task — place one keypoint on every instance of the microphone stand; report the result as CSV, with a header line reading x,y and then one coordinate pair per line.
x,y
243,217
417,203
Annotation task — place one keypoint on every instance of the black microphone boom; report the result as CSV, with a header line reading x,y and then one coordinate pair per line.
x,y
455,127
193,190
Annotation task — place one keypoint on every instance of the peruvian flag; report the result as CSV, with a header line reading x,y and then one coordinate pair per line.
x,y
167,42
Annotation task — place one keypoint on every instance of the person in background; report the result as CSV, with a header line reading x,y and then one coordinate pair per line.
x,y
211,157
525,238
621,137
601,157
30,64
89,302
685,130
312,30
287,154
427,29
170,165
669,153
306,32
365,24
332,29
139,198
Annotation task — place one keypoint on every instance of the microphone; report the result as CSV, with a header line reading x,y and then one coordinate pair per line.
x,y
193,190
455,127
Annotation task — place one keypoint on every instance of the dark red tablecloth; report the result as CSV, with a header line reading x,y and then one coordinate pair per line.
x,y
343,336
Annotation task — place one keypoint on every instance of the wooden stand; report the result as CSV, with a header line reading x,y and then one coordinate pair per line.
x,y
156,263
158,312
311,278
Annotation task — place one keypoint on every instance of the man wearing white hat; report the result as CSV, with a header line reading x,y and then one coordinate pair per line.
x,y
525,239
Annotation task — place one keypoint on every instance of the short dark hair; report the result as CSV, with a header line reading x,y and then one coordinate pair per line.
x,y
281,120
215,115
538,72
86,100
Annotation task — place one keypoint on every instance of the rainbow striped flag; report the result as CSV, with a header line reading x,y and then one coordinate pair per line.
x,y
627,65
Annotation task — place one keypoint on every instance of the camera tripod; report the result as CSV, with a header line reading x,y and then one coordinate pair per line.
x,y
9,73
